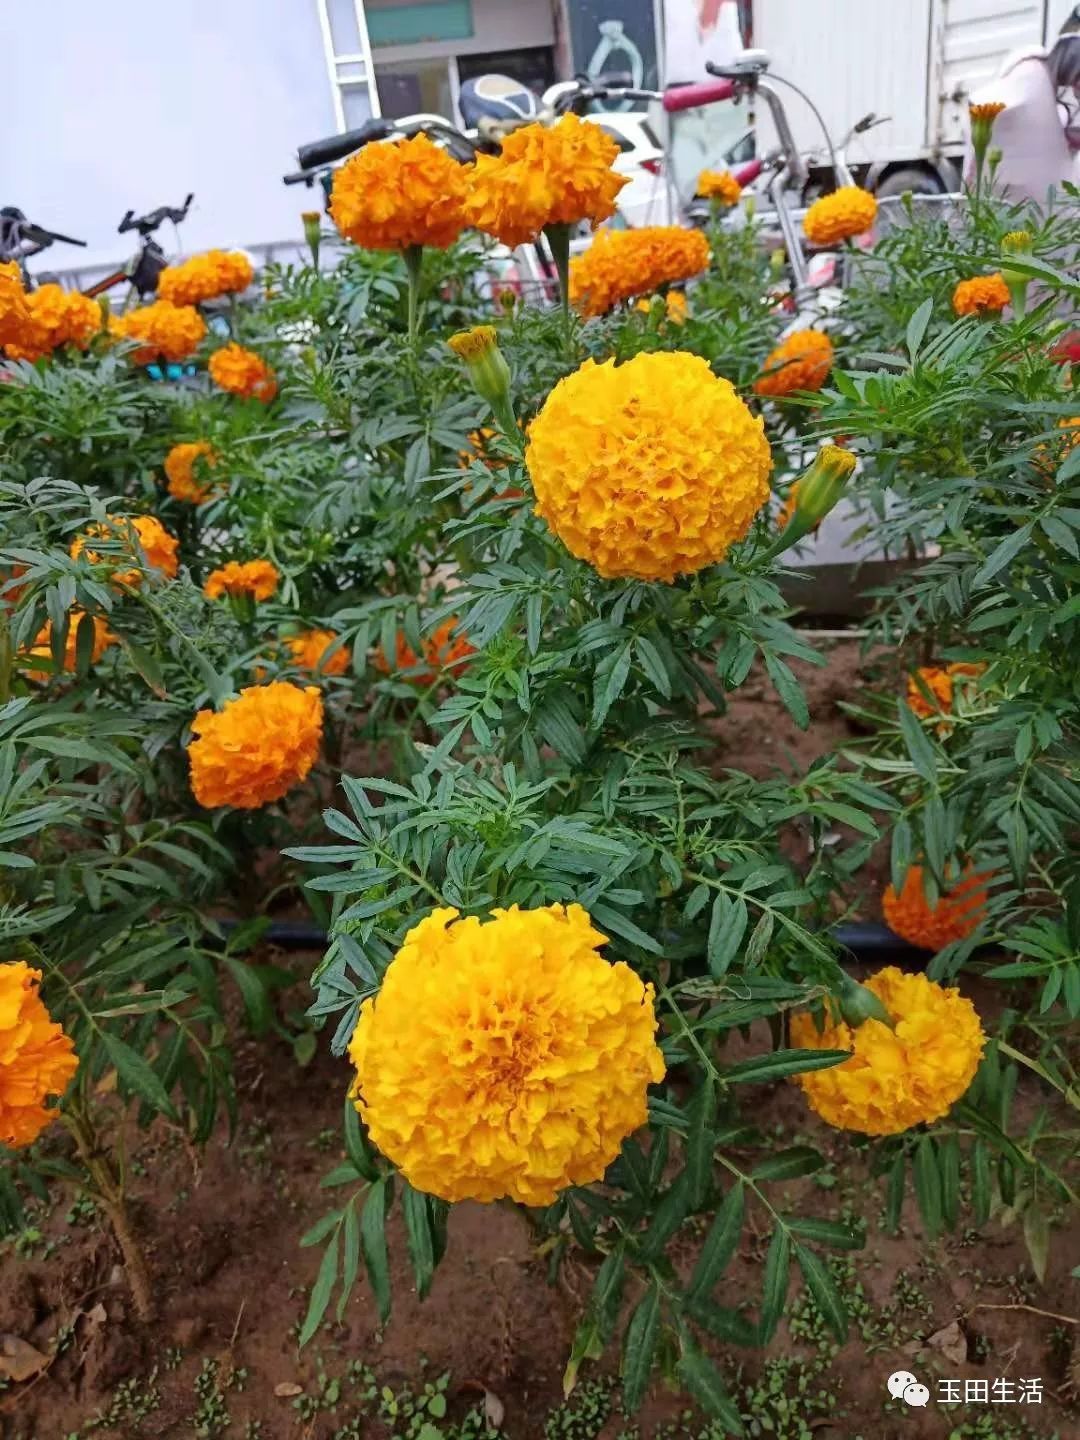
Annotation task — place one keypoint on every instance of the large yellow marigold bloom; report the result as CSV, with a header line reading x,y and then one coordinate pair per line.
x,y
840,215
155,542
940,682
895,1078
242,372
621,264
257,748
257,578
545,175
648,470
981,295
801,362
399,193
167,332
204,277
719,185
42,646
308,651
14,306
37,1060
506,1057
180,471
957,914
56,317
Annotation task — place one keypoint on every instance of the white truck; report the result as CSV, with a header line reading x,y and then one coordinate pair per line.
x,y
912,61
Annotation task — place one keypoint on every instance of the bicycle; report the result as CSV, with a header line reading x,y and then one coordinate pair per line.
x,y
21,239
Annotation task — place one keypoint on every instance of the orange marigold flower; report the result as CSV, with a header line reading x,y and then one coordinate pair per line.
x,y
42,646
242,372
622,264
897,1077
988,110
841,215
257,748
399,193
257,578
940,684
545,175
981,295
56,317
309,652
719,185
1050,454
204,277
14,306
180,471
155,542
801,362
957,914
444,649
37,1060
165,331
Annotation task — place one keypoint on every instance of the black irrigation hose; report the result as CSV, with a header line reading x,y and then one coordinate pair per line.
x,y
865,940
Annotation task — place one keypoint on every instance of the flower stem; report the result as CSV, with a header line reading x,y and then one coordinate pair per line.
x,y
558,237
108,1189
414,255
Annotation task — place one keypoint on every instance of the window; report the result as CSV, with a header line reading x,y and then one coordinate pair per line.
x,y
409,87
419,24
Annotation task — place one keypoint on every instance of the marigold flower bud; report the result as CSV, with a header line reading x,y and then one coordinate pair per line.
x,y
818,491
488,370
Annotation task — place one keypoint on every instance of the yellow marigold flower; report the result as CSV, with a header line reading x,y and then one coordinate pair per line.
x,y
981,295
445,649
257,578
42,646
180,471
622,264
14,306
545,175
801,362
940,684
957,914
242,372
309,652
400,193
840,215
1049,455
56,317
676,308
155,542
506,1057
166,331
204,277
1017,242
719,185
895,1078
989,110
257,748
37,1060
651,469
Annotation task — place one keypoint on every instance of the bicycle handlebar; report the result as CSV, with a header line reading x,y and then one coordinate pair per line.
x,y
147,224
318,154
706,92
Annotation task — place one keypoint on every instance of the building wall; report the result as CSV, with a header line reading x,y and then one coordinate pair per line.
x,y
497,25
128,105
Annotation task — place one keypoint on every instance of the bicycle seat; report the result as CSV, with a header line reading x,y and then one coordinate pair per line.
x,y
746,63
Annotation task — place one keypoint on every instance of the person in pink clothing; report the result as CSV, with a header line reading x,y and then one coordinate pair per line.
x,y
1038,132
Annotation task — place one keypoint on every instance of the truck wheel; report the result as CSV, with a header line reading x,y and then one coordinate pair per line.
x,y
909,179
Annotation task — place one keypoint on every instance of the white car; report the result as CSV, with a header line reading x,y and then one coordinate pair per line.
x,y
647,199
